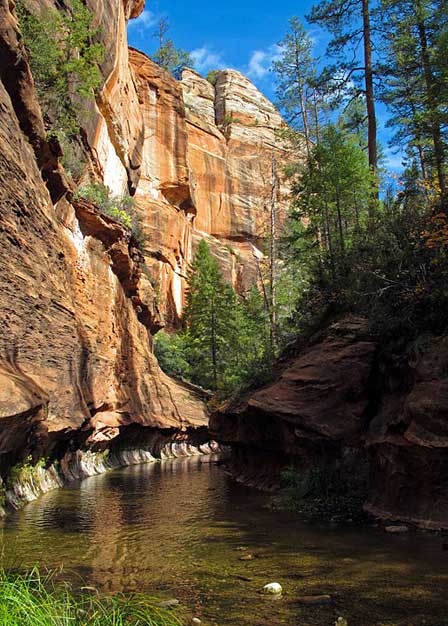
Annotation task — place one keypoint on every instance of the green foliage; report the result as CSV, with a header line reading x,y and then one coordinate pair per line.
x,y
331,201
23,472
390,266
212,76
33,598
230,118
120,209
64,61
322,494
415,86
209,319
73,158
172,354
172,59
224,343
298,94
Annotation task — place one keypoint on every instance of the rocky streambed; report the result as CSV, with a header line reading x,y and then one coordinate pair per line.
x,y
183,530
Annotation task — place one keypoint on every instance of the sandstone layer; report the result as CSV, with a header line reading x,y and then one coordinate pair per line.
x,y
76,362
377,416
81,297
204,171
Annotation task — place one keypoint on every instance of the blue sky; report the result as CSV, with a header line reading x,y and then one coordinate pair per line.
x,y
235,34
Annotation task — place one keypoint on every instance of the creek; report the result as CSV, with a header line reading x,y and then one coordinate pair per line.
x,y
179,529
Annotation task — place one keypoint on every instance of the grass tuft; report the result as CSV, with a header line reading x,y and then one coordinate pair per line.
x,y
34,599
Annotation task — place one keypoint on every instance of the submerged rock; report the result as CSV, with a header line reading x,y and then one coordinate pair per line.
x,y
169,604
272,588
396,529
315,600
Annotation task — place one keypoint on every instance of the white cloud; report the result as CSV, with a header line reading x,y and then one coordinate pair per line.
x,y
206,59
147,19
393,160
260,61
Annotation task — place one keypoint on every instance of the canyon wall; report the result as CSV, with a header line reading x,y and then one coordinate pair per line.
x,y
76,362
81,297
375,414
206,161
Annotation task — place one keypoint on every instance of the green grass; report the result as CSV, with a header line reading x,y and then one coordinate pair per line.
x,y
36,599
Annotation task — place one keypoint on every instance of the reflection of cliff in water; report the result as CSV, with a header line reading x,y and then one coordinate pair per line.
x,y
173,529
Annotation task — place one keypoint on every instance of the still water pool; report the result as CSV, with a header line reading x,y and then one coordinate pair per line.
x,y
178,529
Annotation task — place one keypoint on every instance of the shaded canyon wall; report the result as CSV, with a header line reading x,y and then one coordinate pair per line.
x,y
81,298
376,414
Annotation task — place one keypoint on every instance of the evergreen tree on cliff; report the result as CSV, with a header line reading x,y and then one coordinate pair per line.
x,y
168,56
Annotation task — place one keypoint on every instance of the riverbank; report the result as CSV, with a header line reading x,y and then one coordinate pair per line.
x,y
28,481
34,598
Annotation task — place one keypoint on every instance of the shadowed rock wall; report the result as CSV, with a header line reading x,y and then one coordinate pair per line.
x,y
379,416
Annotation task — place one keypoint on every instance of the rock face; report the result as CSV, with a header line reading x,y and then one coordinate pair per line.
x,y
340,402
79,307
204,172
76,362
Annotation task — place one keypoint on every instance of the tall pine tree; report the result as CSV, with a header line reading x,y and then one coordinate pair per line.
x,y
207,318
416,89
350,23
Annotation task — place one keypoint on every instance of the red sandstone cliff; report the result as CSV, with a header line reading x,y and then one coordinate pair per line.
x,y
77,311
377,415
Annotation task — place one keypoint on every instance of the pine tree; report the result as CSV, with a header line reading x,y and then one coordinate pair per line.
x,y
172,59
332,197
350,23
209,319
416,89
297,92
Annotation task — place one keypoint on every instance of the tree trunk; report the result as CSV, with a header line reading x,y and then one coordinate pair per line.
x,y
341,230
303,109
431,99
316,116
370,96
213,346
329,238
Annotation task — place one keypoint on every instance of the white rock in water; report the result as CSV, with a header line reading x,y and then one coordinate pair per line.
x,y
274,588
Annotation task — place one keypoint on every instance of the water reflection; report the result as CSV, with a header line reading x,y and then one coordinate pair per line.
x,y
174,528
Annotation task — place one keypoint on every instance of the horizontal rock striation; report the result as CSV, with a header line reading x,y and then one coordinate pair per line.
x,y
77,312
378,416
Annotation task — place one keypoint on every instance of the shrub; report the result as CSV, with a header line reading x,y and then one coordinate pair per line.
x,y
212,76
320,493
22,472
120,209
